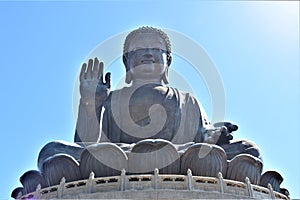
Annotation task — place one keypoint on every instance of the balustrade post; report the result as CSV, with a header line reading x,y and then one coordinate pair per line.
x,y
90,182
122,181
156,179
61,187
37,193
221,182
272,194
190,180
249,187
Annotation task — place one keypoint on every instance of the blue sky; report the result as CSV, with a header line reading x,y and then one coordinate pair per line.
x,y
253,45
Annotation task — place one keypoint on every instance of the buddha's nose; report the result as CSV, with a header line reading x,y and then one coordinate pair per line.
x,y
148,53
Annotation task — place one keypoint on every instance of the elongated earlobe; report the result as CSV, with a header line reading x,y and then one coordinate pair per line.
x,y
165,76
125,61
128,78
169,59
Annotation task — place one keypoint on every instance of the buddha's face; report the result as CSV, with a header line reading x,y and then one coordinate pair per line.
x,y
147,57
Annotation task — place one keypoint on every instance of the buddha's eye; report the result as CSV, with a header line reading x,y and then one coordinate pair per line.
x,y
158,50
139,51
137,48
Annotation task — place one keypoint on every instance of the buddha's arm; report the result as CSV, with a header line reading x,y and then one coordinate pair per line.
x,y
93,93
88,126
207,133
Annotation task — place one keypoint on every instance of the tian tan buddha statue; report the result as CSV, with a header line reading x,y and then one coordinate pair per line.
x,y
144,126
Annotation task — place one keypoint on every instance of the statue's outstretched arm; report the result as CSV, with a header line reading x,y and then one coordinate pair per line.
x,y
93,92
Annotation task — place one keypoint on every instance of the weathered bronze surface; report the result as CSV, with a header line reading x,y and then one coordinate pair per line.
x,y
144,126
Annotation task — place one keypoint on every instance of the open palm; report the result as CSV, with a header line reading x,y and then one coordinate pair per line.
x,y
91,80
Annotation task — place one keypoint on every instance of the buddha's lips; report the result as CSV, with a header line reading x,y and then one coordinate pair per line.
x,y
147,61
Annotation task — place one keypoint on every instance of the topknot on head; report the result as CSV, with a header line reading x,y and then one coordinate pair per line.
x,y
147,29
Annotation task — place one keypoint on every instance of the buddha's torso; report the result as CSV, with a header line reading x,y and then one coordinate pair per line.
x,y
138,101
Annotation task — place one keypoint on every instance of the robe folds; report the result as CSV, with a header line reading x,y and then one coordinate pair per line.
x,y
152,111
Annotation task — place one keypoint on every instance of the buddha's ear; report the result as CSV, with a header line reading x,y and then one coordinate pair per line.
x,y
165,76
125,62
169,59
128,78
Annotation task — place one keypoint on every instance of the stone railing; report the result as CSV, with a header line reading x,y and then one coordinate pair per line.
x,y
156,182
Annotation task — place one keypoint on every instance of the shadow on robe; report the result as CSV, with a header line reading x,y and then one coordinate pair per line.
x,y
285,192
204,160
30,180
237,147
149,154
58,147
272,177
104,159
58,166
17,192
244,165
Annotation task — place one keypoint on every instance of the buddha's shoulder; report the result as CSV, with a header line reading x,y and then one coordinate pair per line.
x,y
145,89
152,90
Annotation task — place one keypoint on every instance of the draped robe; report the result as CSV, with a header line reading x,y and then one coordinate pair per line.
x,y
184,116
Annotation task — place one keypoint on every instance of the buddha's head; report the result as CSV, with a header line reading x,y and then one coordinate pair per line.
x,y
147,55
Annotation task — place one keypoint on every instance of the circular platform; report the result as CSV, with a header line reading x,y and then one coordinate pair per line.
x,y
154,186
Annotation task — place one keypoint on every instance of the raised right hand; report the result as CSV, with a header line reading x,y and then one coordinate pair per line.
x,y
92,85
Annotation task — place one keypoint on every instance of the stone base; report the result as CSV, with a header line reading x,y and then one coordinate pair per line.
x,y
154,186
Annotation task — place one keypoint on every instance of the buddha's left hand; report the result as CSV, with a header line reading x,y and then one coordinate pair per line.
x,y
211,136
